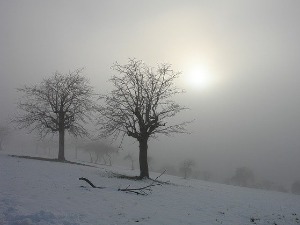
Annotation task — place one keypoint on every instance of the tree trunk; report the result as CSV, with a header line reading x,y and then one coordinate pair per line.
x,y
143,159
61,148
185,174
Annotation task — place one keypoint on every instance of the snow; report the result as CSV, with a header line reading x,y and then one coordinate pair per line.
x,y
44,193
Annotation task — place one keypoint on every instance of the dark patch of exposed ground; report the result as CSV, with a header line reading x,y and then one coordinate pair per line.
x,y
48,159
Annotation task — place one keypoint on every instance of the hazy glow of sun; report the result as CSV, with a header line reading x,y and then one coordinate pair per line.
x,y
199,78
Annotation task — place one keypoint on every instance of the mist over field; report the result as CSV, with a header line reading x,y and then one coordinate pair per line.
x,y
247,117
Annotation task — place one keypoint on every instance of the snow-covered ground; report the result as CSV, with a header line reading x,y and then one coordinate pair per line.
x,y
42,192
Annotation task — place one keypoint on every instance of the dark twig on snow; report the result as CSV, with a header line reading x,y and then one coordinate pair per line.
x,y
139,191
161,182
89,182
143,190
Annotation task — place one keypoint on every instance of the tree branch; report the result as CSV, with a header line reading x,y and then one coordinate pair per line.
x,y
143,190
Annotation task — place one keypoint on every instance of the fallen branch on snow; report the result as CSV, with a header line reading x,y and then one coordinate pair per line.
x,y
89,182
139,191
143,190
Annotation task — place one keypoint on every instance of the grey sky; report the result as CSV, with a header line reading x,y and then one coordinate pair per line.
x,y
250,117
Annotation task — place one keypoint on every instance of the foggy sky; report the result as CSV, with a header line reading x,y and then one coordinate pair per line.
x,y
250,117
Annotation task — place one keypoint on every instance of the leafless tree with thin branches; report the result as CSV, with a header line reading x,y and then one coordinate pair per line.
x,y
131,158
140,105
186,167
62,102
100,151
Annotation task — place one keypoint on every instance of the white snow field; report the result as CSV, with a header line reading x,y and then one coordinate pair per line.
x,y
43,192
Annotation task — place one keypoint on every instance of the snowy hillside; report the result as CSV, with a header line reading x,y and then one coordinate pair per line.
x,y
42,192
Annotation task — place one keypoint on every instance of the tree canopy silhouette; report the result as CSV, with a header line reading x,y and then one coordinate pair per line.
x,y
59,103
140,105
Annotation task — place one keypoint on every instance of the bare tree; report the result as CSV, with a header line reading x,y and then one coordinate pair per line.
x,y
243,177
60,103
131,158
140,105
100,151
45,145
150,161
186,167
4,132
206,175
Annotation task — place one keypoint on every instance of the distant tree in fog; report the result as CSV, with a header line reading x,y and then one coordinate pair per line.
x,y
46,145
62,102
186,168
243,177
100,151
4,132
296,187
140,105
131,158
206,175
150,162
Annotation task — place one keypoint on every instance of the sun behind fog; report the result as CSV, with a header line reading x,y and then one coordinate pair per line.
x,y
199,78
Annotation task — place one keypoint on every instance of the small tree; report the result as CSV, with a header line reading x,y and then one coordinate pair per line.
x,y
150,161
4,132
186,168
140,105
46,145
243,177
206,175
131,158
100,151
60,103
